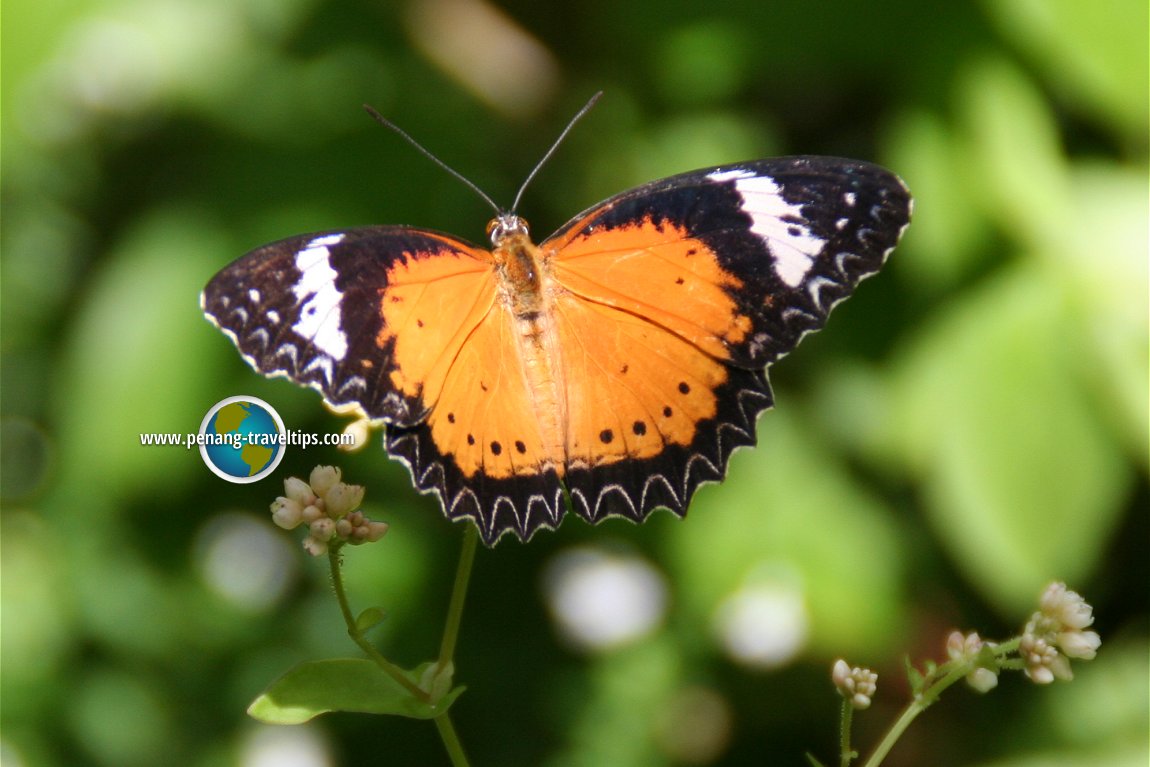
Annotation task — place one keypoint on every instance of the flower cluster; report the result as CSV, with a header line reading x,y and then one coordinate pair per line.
x,y
857,685
328,507
970,649
1056,633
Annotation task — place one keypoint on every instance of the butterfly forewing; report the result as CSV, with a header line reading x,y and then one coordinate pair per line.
x,y
749,257
367,316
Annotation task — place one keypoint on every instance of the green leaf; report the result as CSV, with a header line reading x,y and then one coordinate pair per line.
x,y
1023,483
914,677
1093,54
342,684
369,619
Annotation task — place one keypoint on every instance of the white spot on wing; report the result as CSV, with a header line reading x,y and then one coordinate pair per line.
x,y
319,315
720,176
254,295
778,222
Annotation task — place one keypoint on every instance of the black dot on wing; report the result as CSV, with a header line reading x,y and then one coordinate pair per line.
x,y
667,411
606,436
520,447
496,448
794,231
451,417
623,370
639,428
679,280
418,323
684,388
471,439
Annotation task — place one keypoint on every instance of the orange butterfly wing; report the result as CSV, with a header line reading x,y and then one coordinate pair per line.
x,y
677,294
403,325
622,361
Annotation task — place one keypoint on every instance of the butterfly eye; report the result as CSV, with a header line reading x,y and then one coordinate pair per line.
x,y
507,224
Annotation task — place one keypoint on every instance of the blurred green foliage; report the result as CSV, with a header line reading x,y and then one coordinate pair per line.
x,y
971,425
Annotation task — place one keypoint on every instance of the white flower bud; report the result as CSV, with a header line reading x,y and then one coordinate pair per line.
x,y
323,477
314,547
323,529
312,513
963,647
298,490
1040,674
341,498
1079,644
840,673
287,513
858,685
982,679
1060,666
376,530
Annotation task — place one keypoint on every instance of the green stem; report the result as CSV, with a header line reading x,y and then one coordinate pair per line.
x,y
930,693
458,594
451,635
913,709
846,753
395,672
450,740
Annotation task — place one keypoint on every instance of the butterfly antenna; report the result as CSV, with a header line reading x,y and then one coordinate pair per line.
x,y
427,153
539,165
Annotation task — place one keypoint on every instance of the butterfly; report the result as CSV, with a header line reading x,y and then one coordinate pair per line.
x,y
608,371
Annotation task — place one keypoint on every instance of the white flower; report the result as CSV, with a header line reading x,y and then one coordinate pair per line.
x,y
1066,607
314,547
858,685
323,478
1079,644
967,649
330,509
1055,634
287,513
375,531
1043,662
298,490
323,529
982,679
341,498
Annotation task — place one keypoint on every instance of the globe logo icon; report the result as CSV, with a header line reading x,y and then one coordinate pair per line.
x,y
242,439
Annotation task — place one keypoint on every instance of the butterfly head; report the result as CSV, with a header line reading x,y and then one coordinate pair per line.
x,y
505,225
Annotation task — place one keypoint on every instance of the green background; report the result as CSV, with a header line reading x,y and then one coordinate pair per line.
x,y
971,425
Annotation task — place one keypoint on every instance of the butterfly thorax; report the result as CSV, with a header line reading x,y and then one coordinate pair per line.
x,y
518,264
526,294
